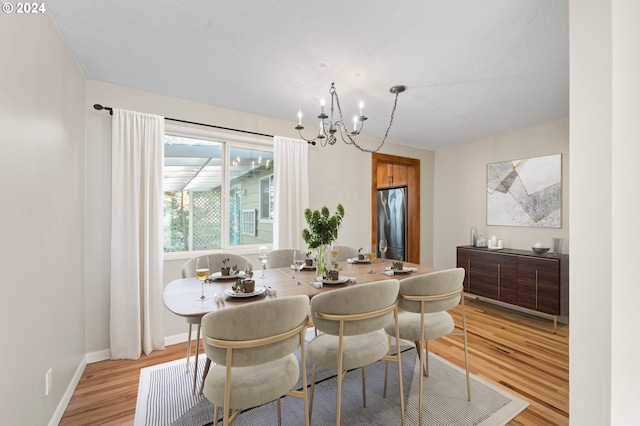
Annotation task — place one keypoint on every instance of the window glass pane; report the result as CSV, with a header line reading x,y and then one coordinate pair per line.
x,y
266,198
193,194
247,169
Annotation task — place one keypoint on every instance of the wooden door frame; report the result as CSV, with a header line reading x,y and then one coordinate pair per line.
x,y
413,200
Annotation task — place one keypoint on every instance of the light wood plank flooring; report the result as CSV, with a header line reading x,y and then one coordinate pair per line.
x,y
514,350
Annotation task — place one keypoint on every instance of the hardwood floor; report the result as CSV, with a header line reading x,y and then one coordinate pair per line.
x,y
513,350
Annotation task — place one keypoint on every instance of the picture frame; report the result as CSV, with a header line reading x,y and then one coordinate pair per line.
x,y
525,192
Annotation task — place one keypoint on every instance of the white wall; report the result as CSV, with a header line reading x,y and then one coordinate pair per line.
x,y
604,341
460,196
338,174
42,212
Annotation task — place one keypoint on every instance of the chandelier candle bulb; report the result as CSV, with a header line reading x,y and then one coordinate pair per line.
x,y
322,106
361,105
299,118
355,124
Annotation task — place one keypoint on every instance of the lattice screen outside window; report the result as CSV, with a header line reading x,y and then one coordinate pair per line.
x,y
207,224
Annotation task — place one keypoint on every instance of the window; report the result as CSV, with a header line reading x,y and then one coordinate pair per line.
x,y
249,222
214,191
266,198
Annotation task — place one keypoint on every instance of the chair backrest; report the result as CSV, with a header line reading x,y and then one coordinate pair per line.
x,y
363,299
215,263
346,252
440,290
281,258
258,332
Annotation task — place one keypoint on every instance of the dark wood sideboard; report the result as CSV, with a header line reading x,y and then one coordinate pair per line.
x,y
520,278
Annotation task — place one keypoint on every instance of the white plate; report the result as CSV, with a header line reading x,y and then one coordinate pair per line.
x,y
257,291
340,280
218,276
398,271
356,260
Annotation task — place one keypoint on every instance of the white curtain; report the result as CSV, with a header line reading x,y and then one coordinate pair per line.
x,y
136,322
291,179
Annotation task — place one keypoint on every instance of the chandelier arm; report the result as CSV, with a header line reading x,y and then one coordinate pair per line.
x,y
311,141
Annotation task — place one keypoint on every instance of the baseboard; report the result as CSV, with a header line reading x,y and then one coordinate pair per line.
x,y
105,354
64,402
98,356
180,338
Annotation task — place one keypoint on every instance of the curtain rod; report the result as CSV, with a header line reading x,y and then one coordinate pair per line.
x,y
100,107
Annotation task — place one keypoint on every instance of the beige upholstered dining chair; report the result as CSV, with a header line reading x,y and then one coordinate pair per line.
x,y
351,320
281,258
425,300
188,271
346,252
253,348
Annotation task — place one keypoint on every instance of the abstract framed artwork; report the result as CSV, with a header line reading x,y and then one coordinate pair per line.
x,y
526,192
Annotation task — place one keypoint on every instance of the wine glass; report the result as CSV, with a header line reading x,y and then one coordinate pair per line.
x,y
371,254
298,262
262,255
383,247
202,273
334,250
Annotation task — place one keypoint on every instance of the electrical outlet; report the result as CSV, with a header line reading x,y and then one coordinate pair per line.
x,y
48,379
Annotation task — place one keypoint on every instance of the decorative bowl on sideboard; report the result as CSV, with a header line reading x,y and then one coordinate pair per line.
x,y
540,250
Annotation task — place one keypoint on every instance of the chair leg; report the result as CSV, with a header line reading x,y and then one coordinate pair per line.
x,y
195,370
426,358
279,413
422,372
421,356
364,388
386,370
466,350
339,394
215,415
189,348
313,384
207,365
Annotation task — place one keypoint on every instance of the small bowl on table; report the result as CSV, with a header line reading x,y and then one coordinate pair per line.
x,y
540,250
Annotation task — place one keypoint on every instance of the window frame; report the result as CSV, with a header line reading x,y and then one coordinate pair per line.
x,y
228,141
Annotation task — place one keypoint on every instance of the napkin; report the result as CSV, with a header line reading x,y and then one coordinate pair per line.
x,y
271,291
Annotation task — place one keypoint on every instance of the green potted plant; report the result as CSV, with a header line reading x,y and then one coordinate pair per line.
x,y
322,230
309,260
225,270
397,265
334,272
248,282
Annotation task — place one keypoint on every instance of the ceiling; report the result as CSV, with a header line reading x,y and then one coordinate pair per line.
x,y
472,69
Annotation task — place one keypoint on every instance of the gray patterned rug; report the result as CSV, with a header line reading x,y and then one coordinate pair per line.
x,y
164,398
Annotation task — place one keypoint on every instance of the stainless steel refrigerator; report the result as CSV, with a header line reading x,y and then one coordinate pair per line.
x,y
392,221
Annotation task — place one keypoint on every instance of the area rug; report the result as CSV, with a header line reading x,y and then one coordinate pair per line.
x,y
165,398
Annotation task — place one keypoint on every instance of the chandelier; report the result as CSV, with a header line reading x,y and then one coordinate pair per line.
x,y
328,127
